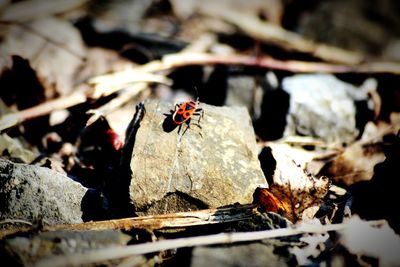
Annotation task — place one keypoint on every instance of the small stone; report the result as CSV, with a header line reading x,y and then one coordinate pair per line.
x,y
29,250
323,106
30,193
211,166
254,254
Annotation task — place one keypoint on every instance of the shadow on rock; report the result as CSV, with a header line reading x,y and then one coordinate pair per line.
x,y
168,124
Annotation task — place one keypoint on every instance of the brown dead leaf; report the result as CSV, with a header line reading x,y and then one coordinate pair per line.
x,y
267,201
300,193
357,161
54,49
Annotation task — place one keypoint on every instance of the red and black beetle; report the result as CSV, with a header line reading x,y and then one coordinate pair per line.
x,y
184,112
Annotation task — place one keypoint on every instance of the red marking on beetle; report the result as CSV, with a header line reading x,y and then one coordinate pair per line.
x,y
185,111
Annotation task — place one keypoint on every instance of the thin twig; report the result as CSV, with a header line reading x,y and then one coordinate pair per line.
x,y
13,221
120,100
12,119
222,238
185,59
272,33
175,220
111,83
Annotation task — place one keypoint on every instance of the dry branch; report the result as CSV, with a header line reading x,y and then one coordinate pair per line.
x,y
271,33
175,220
177,60
12,119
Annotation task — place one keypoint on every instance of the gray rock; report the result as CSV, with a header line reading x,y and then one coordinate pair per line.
x,y
211,166
29,250
323,106
30,193
254,254
15,151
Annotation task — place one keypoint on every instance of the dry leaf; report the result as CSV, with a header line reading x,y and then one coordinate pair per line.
x,y
300,193
267,201
357,162
55,51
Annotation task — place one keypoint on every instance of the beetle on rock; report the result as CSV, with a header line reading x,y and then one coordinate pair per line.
x,y
184,112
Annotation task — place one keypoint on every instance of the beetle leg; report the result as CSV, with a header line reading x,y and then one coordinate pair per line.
x,y
199,112
187,127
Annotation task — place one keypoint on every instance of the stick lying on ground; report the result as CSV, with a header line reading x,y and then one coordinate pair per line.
x,y
182,59
222,238
175,220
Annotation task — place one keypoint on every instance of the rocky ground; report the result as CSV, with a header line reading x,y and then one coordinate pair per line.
x,y
194,133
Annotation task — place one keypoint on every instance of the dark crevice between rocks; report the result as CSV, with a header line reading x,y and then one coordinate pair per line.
x,y
274,109
214,91
363,116
117,187
94,206
268,163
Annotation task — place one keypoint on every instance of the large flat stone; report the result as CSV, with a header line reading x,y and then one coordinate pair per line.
x,y
211,166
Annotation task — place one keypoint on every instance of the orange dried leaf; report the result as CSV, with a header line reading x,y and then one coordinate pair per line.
x,y
267,201
299,192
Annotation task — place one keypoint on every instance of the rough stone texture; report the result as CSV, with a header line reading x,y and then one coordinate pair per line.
x,y
213,166
28,251
30,193
12,149
323,106
254,254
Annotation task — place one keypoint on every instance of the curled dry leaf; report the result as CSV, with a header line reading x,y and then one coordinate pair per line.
x,y
300,193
